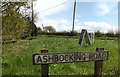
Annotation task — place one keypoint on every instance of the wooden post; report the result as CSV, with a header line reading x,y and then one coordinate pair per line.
x,y
98,65
44,67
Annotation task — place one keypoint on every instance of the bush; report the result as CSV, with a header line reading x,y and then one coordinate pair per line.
x,y
98,34
15,27
110,34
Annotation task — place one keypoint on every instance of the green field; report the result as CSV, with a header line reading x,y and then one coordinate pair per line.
x,y
17,57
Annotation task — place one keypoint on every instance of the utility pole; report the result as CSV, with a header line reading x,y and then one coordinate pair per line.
x,y
32,19
43,27
34,31
74,16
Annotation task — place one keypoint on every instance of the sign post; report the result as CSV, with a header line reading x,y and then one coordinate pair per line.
x,y
44,58
98,65
44,67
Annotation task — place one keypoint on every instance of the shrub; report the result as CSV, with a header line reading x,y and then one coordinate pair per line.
x,y
15,27
98,34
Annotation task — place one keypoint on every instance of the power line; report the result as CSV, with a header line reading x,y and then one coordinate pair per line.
x,y
54,6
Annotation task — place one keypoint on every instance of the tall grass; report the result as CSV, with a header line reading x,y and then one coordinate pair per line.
x,y
17,57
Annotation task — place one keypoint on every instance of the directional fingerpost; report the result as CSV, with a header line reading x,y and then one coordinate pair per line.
x,y
84,35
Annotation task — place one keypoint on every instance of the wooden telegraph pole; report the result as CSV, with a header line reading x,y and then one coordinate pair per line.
x,y
74,16
32,19
33,31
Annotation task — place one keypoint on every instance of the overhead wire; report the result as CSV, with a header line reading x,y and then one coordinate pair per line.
x,y
54,6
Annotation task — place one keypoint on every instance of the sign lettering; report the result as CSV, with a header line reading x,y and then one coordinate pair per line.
x,y
50,58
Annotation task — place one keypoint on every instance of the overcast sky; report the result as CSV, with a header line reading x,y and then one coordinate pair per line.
x,y
92,16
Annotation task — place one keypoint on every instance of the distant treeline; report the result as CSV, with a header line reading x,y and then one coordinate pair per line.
x,y
77,34
99,34
65,33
